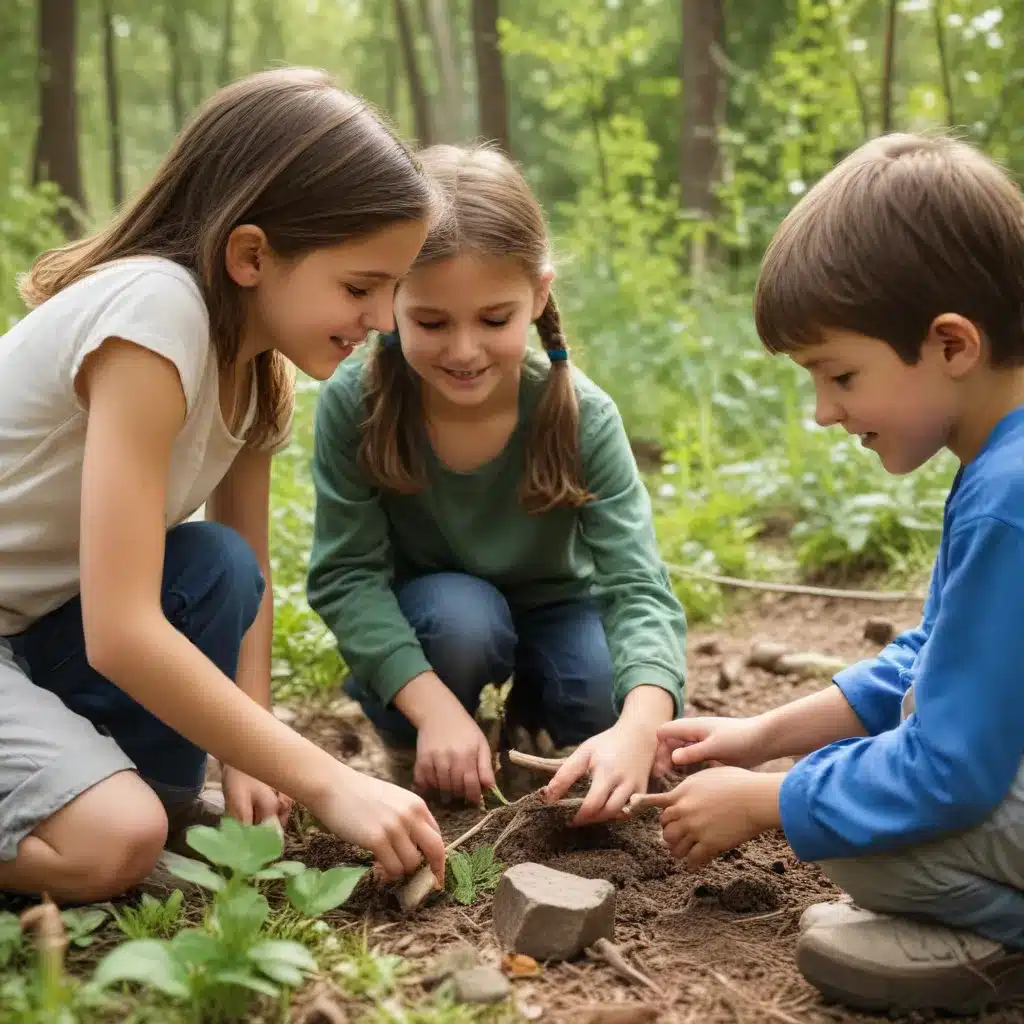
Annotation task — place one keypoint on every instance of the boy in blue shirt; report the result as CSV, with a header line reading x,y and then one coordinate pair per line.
x,y
898,283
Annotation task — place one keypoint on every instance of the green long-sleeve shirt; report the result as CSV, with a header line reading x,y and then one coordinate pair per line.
x,y
367,541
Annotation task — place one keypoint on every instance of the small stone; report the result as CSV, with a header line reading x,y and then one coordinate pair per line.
x,y
766,654
458,958
519,965
730,673
709,645
552,915
879,631
480,985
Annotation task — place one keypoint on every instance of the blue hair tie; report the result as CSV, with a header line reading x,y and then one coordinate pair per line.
x,y
557,355
391,339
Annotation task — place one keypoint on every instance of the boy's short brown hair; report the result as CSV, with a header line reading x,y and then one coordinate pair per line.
x,y
906,228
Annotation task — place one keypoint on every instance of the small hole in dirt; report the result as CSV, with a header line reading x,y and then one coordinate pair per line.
x,y
746,895
350,744
704,892
778,867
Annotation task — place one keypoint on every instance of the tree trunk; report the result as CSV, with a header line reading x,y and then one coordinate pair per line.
x,y
227,42
887,65
704,95
113,104
490,74
173,30
56,153
420,107
439,30
944,69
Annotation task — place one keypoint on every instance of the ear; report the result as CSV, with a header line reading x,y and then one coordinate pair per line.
x,y
956,343
246,255
542,292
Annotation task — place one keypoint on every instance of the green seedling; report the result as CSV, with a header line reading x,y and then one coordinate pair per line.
x,y
220,966
469,875
151,919
81,924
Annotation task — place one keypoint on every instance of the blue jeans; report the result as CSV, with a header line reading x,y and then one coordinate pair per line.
x,y
211,592
558,655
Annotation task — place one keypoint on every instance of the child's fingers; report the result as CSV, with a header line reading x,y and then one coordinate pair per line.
x,y
484,767
406,851
692,753
595,803
561,782
471,784
642,800
427,837
390,863
684,730
699,855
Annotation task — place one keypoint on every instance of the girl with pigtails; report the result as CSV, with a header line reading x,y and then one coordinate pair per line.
x,y
480,516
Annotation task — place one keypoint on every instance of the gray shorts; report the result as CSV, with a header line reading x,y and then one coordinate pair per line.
x,y
48,754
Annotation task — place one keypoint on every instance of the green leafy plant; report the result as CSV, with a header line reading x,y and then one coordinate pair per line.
x,y
469,875
151,918
82,923
221,965
365,971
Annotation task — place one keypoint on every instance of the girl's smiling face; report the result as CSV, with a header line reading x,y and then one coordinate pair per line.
x,y
464,323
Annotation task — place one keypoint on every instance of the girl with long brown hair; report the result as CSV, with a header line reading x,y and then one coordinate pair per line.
x,y
154,376
480,515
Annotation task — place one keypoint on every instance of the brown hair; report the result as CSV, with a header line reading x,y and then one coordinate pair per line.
x,y
286,150
904,229
488,209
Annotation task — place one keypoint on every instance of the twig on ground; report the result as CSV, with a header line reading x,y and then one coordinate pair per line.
x,y
798,588
612,956
764,1008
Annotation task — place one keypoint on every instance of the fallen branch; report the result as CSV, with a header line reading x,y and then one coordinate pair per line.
x,y
797,588
612,956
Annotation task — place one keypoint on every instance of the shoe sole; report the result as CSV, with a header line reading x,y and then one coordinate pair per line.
x,y
958,990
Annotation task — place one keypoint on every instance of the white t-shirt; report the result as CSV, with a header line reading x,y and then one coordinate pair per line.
x,y
152,302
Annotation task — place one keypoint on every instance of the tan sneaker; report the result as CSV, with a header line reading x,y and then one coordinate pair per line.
x,y
819,914
873,961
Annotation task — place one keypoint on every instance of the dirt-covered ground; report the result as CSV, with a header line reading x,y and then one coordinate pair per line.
x,y
717,944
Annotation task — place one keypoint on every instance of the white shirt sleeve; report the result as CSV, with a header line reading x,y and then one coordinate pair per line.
x,y
154,305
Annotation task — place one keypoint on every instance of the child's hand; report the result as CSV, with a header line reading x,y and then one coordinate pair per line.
x,y
731,741
453,756
619,761
252,801
393,823
715,810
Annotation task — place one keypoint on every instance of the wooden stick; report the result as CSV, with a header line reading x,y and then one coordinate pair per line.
x,y
797,588
611,955
545,765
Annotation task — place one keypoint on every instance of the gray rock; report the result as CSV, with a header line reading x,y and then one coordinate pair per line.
x,y
879,631
552,915
457,958
480,985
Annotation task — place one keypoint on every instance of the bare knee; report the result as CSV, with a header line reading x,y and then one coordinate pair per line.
x,y
108,838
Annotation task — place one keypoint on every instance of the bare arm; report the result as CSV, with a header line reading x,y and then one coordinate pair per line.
x,y
242,501
808,724
136,410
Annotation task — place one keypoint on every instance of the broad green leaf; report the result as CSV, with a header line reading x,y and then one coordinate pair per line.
x,y
282,869
240,914
194,948
148,962
315,892
245,849
194,871
82,923
285,962
246,979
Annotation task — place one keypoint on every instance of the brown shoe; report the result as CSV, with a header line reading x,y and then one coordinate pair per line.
x,y
205,809
872,961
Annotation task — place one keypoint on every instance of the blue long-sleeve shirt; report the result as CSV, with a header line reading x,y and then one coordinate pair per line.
x,y
953,760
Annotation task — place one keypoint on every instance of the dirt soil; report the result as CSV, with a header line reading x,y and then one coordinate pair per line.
x,y
718,943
